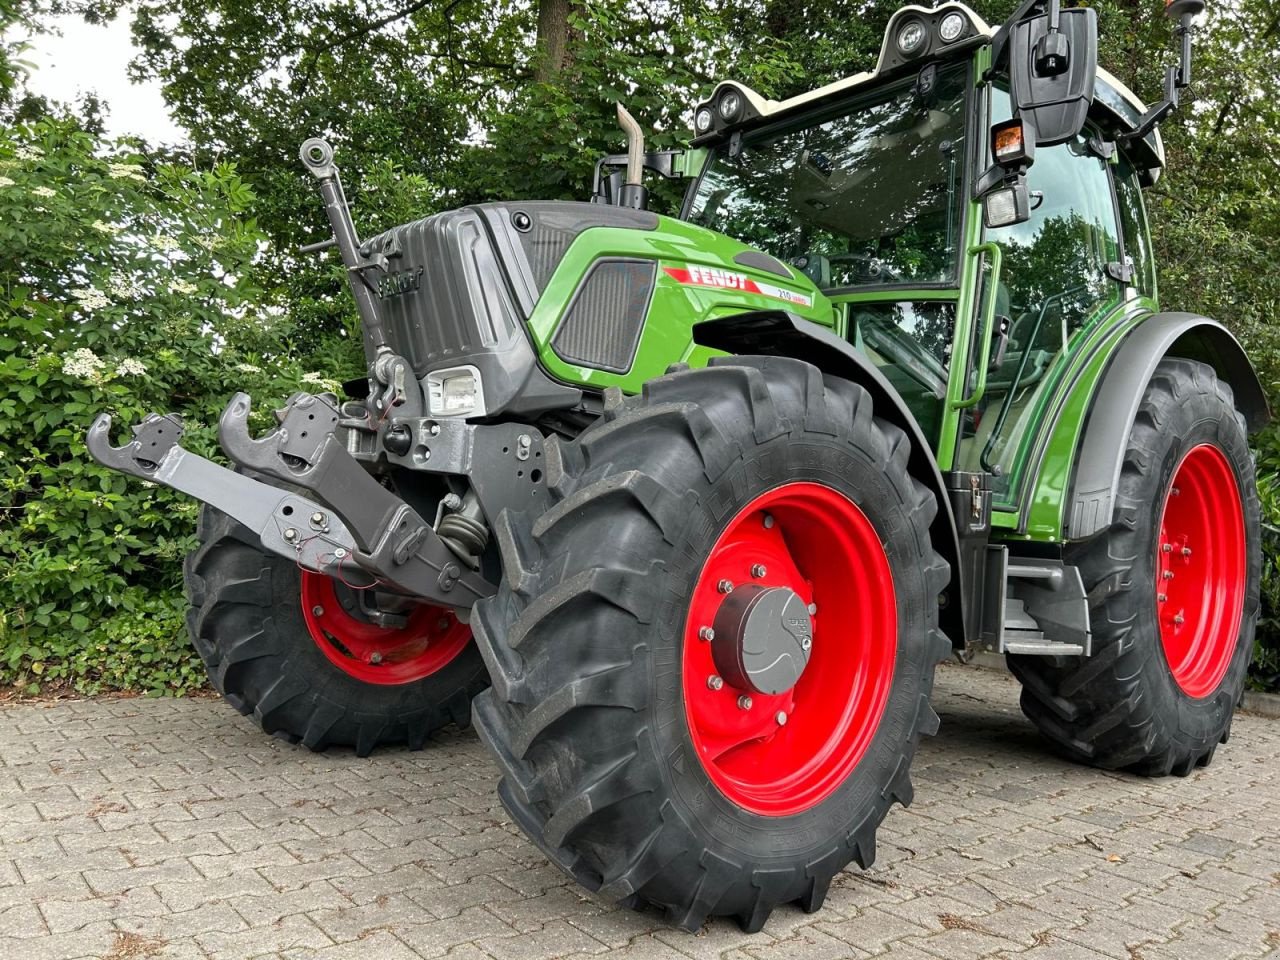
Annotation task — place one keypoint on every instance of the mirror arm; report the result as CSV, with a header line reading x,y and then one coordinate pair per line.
x,y
1149,120
661,162
992,177
1175,79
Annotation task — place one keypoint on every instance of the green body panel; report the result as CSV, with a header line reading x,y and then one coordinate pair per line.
x,y
675,307
1046,496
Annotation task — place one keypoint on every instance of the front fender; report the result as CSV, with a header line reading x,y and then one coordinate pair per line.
x,y
779,333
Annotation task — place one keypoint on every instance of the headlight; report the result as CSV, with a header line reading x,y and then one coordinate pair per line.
x,y
455,392
951,27
702,120
730,105
911,37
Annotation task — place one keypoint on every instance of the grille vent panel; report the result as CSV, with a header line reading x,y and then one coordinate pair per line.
x,y
601,328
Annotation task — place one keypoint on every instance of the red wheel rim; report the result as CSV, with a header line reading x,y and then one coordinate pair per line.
x,y
815,541
431,639
1200,570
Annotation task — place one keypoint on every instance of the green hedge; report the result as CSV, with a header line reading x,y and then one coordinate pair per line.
x,y
127,288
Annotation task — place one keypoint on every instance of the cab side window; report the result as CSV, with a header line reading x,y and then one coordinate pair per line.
x,y
1055,264
1133,220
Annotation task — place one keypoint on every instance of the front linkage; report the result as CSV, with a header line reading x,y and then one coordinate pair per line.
x,y
344,522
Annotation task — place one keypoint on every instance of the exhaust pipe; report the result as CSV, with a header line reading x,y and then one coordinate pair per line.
x,y
633,193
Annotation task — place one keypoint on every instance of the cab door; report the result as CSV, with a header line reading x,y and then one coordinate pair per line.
x,y
1060,279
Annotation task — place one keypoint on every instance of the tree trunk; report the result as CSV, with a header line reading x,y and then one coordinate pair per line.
x,y
552,54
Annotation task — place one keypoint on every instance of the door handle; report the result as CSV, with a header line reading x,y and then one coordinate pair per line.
x,y
996,258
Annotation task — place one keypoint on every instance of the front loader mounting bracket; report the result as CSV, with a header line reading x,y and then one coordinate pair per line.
x,y
287,523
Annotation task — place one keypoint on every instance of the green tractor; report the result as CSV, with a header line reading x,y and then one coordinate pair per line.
x,y
683,512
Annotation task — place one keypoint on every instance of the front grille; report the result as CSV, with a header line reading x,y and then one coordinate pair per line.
x,y
444,298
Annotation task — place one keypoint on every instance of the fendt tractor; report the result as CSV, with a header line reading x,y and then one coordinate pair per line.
x,y
683,512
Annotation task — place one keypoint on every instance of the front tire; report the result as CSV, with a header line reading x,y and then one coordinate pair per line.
x,y
285,647
1173,587
633,752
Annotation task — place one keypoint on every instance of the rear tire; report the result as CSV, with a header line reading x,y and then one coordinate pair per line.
x,y
593,644
247,622
1172,634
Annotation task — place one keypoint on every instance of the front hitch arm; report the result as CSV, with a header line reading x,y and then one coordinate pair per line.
x,y
287,523
393,541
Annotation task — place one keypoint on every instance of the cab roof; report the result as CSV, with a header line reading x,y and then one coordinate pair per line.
x,y
1115,107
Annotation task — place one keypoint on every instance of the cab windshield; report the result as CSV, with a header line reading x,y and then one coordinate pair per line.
x,y
870,196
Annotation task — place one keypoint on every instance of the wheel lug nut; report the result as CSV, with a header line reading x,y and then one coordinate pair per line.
x,y
1168,574
317,611
1161,597
768,521
758,570
291,534
744,702
781,718
714,682
706,633
805,643
1178,619
1173,491
1186,551
317,518
813,608
375,658
725,586
1167,548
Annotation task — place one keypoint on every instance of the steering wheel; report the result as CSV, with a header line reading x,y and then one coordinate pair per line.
x,y
869,269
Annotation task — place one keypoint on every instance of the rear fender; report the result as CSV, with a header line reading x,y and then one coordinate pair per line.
x,y
1100,456
778,333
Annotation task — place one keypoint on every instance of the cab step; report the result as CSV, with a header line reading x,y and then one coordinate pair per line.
x,y
1034,607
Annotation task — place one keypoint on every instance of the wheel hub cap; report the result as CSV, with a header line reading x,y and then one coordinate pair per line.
x,y
763,637
789,648
429,640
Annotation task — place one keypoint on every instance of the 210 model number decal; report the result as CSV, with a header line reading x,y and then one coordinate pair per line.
x,y
730,280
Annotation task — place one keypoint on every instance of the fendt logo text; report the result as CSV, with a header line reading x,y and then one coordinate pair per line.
x,y
399,283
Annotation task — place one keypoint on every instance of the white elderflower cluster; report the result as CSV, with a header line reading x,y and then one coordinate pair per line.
x,y
124,171
320,380
110,228
6,182
45,192
28,153
163,242
91,298
129,367
248,368
183,287
124,289
84,364
208,242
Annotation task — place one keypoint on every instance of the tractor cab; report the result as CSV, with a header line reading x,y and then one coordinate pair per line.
x,y
969,265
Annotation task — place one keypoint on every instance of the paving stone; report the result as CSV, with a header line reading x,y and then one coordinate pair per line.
x,y
291,933
178,827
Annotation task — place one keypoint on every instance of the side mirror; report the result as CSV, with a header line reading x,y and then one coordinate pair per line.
x,y
1053,62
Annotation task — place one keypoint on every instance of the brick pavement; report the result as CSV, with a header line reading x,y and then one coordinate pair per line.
x,y
174,829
